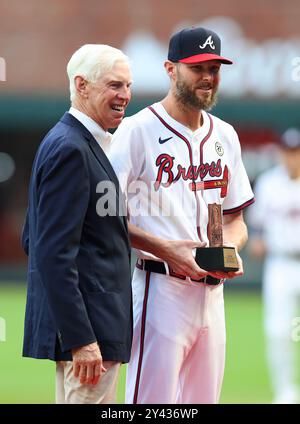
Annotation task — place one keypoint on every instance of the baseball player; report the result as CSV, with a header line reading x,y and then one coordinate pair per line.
x,y
172,160
276,234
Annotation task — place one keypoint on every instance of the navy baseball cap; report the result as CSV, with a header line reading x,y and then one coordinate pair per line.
x,y
290,139
194,45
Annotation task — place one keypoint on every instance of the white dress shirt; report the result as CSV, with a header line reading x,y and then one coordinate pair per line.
x,y
102,137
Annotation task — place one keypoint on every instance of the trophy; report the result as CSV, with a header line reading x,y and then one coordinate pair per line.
x,y
216,257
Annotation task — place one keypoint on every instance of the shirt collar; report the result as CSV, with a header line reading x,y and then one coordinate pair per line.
x,y
102,137
182,128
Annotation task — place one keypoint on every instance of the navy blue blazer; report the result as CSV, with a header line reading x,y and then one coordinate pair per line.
x,y
79,283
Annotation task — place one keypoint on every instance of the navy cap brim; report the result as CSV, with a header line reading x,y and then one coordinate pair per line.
x,y
204,57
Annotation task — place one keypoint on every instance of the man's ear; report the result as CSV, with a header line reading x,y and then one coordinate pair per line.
x,y
170,68
81,85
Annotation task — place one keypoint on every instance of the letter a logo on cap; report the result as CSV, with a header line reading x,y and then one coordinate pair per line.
x,y
209,41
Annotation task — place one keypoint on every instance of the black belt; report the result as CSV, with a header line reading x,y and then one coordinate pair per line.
x,y
160,268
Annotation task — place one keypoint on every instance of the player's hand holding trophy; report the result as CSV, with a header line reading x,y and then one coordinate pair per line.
x,y
216,257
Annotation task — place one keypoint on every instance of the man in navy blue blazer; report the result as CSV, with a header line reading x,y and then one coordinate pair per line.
x,y
79,307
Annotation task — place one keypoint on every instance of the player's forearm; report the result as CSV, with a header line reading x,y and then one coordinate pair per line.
x,y
235,231
177,253
142,240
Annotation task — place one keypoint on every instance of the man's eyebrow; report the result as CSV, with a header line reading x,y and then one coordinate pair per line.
x,y
119,81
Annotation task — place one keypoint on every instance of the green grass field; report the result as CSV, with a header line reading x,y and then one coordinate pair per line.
x,y
25,380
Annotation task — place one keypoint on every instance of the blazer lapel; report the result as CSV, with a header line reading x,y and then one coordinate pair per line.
x,y
69,119
96,149
102,158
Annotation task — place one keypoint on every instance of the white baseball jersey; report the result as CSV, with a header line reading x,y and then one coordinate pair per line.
x,y
171,173
277,211
276,217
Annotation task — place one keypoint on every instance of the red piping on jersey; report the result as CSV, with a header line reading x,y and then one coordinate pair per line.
x,y
206,138
239,208
190,154
142,340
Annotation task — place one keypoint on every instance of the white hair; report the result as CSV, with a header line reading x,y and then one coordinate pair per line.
x,y
91,61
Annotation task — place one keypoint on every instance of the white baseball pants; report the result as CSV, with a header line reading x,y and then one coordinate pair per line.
x,y
281,292
178,348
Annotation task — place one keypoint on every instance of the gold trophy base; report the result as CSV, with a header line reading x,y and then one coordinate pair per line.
x,y
217,258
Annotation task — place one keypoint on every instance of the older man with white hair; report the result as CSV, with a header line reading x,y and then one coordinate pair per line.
x,y
78,309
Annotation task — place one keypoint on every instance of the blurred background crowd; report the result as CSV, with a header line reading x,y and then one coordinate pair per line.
x,y
259,96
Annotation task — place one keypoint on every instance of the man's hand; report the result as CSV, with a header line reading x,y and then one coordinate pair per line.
x,y
87,364
235,235
177,253
179,256
230,274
